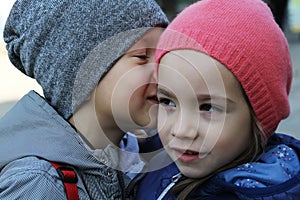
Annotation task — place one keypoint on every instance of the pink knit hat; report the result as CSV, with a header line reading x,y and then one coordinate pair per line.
x,y
242,35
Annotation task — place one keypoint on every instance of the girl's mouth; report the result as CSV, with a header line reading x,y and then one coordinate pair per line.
x,y
191,152
187,156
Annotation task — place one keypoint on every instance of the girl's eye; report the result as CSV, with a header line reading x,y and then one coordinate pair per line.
x,y
166,102
209,108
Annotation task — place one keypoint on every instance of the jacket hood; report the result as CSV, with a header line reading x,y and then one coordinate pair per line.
x,y
33,128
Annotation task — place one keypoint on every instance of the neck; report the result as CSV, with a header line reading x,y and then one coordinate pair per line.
x,y
98,135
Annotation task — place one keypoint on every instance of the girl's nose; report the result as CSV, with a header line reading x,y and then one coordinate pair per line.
x,y
186,127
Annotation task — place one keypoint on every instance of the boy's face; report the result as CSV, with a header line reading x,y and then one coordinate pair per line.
x,y
126,96
204,120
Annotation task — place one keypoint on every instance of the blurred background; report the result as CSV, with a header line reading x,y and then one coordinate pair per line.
x,y
14,84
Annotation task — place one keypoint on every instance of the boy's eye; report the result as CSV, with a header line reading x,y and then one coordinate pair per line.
x,y
167,102
142,57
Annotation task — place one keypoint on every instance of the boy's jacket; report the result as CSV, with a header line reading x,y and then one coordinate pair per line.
x,y
32,133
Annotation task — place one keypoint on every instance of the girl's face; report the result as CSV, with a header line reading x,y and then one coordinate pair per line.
x,y
204,120
126,95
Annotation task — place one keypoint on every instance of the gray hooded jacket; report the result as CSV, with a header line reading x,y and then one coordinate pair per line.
x,y
30,134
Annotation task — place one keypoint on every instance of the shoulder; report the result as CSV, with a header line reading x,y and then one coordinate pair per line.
x,y
219,189
279,138
30,178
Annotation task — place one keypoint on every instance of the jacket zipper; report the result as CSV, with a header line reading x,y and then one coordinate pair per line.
x,y
122,184
174,180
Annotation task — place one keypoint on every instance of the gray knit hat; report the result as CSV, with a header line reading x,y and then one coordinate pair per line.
x,y
69,45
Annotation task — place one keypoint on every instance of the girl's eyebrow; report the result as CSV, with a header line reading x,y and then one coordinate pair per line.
x,y
165,92
202,97
215,97
206,97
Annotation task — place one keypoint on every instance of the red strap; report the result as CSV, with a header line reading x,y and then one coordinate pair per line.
x,y
69,179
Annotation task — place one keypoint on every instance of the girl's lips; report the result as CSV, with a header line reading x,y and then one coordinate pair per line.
x,y
187,156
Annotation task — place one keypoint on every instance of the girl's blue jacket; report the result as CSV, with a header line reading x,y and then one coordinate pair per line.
x,y
276,175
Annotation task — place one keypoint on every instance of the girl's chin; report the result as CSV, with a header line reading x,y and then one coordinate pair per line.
x,y
191,173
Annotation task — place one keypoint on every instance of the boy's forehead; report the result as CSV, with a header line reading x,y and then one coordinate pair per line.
x,y
148,40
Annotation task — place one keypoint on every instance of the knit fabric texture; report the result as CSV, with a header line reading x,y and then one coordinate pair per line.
x,y
51,41
243,36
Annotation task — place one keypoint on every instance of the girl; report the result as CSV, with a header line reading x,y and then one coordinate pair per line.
x,y
84,54
224,75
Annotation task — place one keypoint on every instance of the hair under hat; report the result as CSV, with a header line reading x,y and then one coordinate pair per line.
x,y
243,36
49,40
